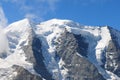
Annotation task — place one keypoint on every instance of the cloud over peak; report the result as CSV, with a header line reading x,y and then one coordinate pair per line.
x,y
34,8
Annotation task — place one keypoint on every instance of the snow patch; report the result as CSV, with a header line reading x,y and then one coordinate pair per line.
x,y
63,70
113,76
102,43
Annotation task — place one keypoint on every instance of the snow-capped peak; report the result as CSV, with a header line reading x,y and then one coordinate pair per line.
x,y
18,32
22,35
19,26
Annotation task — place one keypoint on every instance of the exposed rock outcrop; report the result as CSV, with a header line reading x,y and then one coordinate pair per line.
x,y
23,74
73,55
113,54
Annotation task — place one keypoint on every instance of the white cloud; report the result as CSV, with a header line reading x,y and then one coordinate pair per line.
x,y
51,3
3,19
90,2
30,16
3,39
35,8
3,43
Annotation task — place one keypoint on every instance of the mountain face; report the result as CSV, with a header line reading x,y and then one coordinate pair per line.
x,y
60,50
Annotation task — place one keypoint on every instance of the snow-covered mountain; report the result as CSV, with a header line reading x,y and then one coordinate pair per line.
x,y
59,50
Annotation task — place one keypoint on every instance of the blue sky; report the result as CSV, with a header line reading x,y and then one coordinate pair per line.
x,y
87,12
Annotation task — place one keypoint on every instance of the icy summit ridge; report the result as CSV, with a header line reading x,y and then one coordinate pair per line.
x,y
52,22
19,26
64,23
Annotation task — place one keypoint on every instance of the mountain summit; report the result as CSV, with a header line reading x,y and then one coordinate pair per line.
x,y
60,50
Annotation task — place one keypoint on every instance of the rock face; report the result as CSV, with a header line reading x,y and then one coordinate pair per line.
x,y
60,50
69,50
34,55
39,66
23,74
113,54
